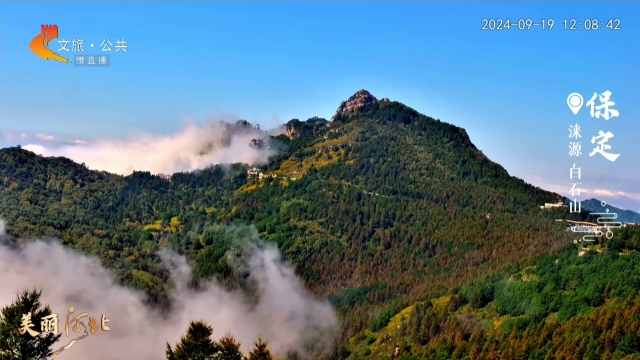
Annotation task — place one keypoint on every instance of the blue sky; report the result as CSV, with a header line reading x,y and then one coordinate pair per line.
x,y
270,62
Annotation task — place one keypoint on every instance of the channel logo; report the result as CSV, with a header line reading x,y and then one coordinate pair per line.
x,y
40,44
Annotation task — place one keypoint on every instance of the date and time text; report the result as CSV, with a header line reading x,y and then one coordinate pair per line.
x,y
593,24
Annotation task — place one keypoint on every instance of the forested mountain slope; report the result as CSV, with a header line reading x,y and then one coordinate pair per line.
x,y
581,304
379,208
595,205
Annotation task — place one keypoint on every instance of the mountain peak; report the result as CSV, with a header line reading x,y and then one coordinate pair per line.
x,y
359,99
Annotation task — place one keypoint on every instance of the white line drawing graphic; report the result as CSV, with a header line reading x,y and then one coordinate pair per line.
x,y
606,222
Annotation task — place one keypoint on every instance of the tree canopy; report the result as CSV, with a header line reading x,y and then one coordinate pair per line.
x,y
21,334
197,344
380,210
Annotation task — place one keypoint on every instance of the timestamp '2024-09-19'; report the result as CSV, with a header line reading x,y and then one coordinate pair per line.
x,y
550,24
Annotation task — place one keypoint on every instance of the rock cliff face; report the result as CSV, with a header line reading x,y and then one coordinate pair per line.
x,y
358,100
257,143
290,131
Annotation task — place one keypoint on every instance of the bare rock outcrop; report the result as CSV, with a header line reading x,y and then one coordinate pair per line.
x,y
358,100
290,131
257,143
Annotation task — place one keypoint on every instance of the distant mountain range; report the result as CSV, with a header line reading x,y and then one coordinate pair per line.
x,y
595,205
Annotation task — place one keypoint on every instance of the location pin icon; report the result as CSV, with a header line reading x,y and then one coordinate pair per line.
x,y
575,101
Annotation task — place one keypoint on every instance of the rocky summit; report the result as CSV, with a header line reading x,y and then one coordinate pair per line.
x,y
358,100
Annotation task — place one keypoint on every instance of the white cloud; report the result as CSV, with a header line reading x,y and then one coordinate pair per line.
x,y
80,142
621,199
44,137
11,139
617,194
192,147
38,149
285,314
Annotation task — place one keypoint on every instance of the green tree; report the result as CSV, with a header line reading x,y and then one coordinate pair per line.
x,y
25,346
628,344
195,345
229,349
260,351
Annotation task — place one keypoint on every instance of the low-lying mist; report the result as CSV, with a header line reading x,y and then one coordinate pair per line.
x,y
281,312
193,147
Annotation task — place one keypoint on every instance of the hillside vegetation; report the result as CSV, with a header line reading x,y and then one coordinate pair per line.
x,y
580,304
381,210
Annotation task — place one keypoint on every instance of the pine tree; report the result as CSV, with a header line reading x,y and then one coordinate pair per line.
x,y
260,351
195,345
14,345
229,349
170,354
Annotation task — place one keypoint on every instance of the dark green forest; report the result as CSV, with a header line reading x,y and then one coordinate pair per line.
x,y
419,240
